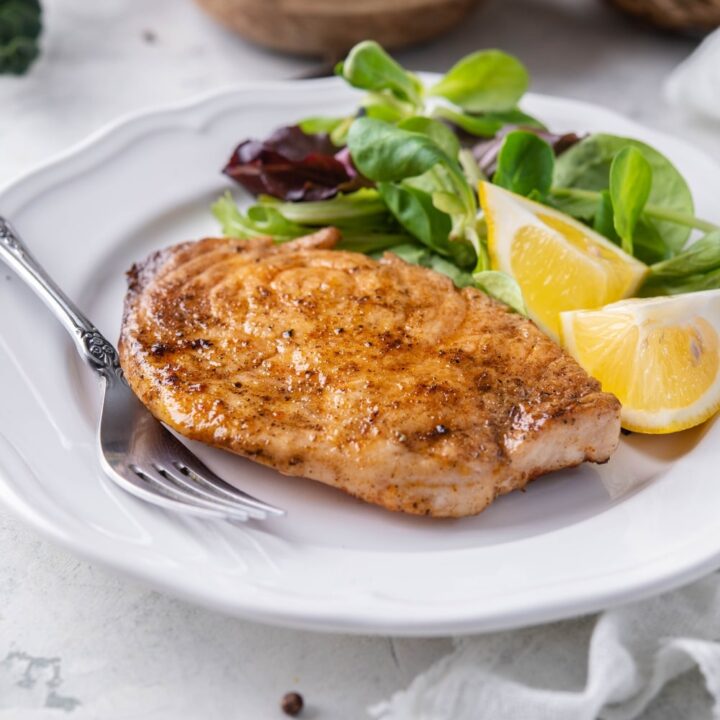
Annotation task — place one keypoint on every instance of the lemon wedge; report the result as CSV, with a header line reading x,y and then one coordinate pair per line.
x,y
559,263
659,356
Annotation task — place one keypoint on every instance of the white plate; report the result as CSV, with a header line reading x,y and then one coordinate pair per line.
x,y
560,549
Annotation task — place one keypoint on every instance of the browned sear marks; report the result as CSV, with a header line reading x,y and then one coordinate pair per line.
x,y
379,378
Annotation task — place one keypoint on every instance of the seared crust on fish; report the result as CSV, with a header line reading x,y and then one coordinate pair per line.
x,y
376,377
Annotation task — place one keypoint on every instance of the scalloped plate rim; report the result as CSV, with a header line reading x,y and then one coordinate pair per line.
x,y
395,618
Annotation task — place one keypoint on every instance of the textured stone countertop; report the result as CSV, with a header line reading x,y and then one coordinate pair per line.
x,y
78,641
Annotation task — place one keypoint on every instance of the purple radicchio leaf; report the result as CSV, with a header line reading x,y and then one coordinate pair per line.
x,y
486,152
293,165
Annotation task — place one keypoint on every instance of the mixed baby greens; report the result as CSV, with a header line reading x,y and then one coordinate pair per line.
x,y
401,175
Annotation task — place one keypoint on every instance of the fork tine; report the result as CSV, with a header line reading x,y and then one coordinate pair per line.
x,y
192,466
146,458
168,488
146,490
179,478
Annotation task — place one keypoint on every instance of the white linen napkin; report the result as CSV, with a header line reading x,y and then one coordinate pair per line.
x,y
695,84
564,672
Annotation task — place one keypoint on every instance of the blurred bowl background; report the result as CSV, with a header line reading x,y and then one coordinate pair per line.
x,y
683,15
328,28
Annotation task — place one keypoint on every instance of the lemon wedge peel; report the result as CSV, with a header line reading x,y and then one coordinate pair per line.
x,y
559,263
659,356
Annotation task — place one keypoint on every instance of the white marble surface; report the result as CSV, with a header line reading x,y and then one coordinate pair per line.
x,y
80,642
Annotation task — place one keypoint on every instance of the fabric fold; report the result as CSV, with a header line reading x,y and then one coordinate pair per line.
x,y
564,672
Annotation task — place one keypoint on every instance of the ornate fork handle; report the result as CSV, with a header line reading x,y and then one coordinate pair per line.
x,y
97,351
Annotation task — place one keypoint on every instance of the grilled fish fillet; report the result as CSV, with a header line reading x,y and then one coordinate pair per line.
x,y
378,378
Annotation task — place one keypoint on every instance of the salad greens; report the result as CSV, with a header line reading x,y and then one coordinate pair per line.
x,y
20,27
369,67
423,186
363,218
479,93
525,165
586,167
402,172
630,185
697,268
294,165
486,81
638,198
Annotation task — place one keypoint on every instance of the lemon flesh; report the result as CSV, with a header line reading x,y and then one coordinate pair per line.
x,y
659,356
559,263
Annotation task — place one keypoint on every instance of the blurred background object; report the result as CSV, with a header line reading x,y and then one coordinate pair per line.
x,y
328,28
99,60
20,27
694,85
684,15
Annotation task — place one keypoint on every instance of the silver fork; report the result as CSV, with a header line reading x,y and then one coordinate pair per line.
x,y
136,451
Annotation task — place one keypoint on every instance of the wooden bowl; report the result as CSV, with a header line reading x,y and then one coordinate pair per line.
x,y
331,27
702,15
